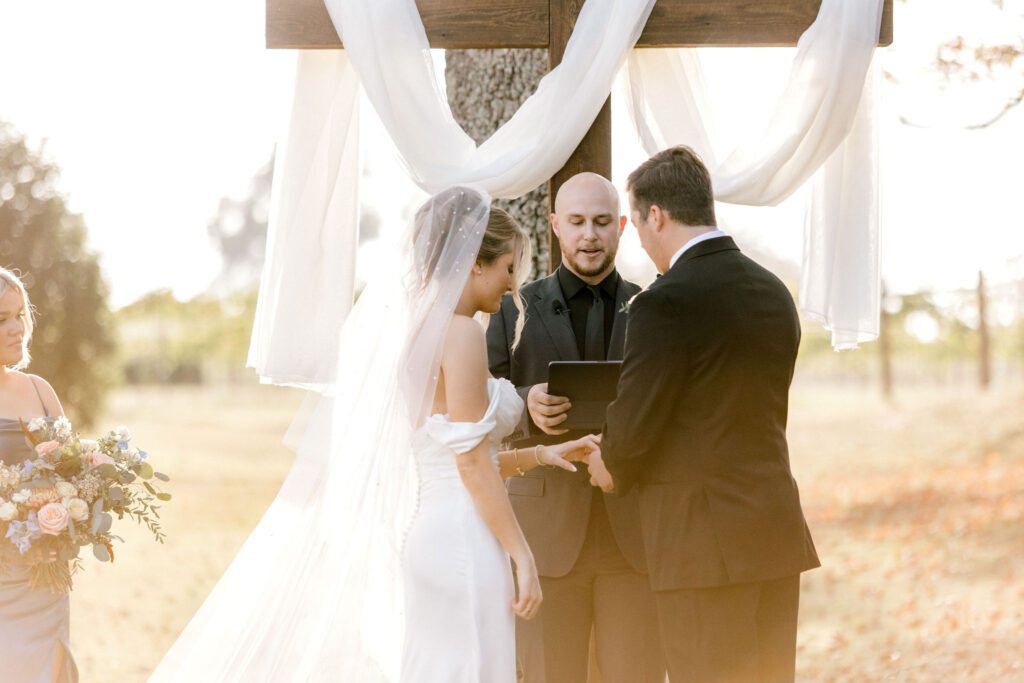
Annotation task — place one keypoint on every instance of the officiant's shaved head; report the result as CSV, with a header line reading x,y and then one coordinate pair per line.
x,y
588,223
586,182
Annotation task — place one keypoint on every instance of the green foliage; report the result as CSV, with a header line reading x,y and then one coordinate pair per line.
x,y
163,340
40,238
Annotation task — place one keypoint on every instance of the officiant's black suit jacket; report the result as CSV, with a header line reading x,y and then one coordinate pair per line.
x,y
553,505
699,423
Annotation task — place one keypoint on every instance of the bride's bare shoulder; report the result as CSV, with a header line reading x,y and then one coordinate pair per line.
x,y
466,334
465,346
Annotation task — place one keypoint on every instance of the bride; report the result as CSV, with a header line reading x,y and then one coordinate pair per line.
x,y
385,556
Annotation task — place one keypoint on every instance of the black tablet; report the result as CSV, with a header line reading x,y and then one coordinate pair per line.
x,y
589,384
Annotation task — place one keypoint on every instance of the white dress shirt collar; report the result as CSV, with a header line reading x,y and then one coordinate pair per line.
x,y
696,240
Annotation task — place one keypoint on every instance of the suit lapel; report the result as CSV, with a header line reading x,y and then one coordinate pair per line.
x,y
623,293
559,328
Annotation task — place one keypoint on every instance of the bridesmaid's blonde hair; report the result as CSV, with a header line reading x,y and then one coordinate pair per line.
x,y
9,280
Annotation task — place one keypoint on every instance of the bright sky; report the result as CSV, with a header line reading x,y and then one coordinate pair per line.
x,y
154,111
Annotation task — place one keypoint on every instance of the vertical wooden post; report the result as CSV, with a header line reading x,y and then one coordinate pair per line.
x,y
594,152
884,350
984,350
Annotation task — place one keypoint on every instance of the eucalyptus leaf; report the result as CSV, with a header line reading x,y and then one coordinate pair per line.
x,y
40,483
103,523
101,553
97,508
115,493
127,478
145,470
71,530
149,488
161,476
163,496
107,470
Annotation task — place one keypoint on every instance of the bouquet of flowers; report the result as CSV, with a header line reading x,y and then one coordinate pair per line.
x,y
65,498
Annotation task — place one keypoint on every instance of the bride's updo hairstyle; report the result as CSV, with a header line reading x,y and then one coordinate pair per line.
x,y
452,212
8,280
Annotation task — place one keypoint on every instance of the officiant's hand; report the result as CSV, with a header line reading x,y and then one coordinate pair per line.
x,y
599,474
547,411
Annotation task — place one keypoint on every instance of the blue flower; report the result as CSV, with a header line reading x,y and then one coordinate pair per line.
x,y
21,534
27,468
143,455
122,444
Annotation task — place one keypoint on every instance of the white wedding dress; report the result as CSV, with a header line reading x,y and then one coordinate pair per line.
x,y
459,626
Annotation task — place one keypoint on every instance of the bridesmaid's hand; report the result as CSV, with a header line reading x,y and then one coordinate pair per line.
x,y
529,596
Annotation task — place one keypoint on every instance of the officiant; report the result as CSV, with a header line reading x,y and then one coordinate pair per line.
x,y
587,545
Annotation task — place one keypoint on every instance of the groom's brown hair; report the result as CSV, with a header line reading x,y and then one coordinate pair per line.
x,y
676,180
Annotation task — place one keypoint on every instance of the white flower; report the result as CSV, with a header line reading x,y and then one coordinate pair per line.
x,y
63,426
77,508
122,433
66,489
36,423
8,511
89,446
21,496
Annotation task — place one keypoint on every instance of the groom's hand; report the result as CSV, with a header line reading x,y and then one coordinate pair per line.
x,y
547,411
599,474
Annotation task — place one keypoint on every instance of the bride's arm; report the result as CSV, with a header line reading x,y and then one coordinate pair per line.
x,y
520,460
465,382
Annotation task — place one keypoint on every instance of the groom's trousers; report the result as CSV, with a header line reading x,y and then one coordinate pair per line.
x,y
604,594
743,633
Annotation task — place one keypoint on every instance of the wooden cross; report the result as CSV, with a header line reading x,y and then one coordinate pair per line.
x,y
466,24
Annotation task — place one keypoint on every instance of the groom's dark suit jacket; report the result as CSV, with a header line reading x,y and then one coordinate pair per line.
x,y
699,423
553,505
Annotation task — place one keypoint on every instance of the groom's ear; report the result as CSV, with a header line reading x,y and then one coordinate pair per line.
x,y
656,217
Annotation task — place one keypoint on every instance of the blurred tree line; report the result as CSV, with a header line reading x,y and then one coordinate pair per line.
x,y
45,242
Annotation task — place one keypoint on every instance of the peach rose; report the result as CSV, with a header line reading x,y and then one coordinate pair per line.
x,y
97,459
47,447
52,518
40,497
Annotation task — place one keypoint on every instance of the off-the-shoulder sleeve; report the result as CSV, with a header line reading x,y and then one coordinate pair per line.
x,y
465,436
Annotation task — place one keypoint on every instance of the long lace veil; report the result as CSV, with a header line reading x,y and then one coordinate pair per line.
x,y
315,592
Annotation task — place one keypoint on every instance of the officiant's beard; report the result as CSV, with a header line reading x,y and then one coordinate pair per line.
x,y
584,267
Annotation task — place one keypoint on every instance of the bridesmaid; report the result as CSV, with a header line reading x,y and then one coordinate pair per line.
x,y
33,623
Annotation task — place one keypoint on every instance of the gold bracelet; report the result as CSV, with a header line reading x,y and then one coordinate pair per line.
x,y
515,454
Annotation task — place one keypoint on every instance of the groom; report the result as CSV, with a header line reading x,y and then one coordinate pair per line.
x,y
587,545
699,428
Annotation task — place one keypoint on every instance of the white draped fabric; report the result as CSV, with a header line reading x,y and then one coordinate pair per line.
x,y
822,126
309,270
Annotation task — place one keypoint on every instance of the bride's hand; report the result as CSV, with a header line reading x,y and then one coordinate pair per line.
x,y
529,595
564,454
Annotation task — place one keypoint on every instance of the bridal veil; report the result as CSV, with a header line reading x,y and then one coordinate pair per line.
x,y
315,592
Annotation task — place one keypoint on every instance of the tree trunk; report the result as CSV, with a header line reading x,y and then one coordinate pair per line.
x,y
984,344
485,88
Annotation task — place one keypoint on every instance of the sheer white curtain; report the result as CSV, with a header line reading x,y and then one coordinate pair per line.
x,y
823,125
308,273
307,280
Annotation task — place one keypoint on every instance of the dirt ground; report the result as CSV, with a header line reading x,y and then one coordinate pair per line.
x,y
916,507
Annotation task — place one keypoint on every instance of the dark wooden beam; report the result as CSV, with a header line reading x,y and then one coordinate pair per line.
x,y
462,24
451,24
594,152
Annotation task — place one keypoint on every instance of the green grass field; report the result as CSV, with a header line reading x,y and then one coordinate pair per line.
x,y
916,507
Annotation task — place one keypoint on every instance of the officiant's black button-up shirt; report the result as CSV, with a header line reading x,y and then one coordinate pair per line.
x,y
579,299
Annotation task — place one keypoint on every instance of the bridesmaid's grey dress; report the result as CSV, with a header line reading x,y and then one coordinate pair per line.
x,y
33,623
